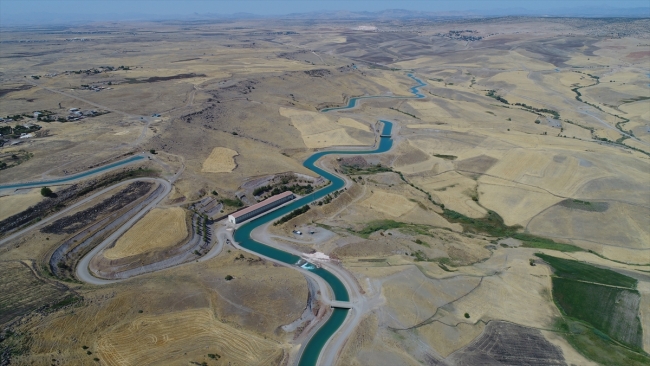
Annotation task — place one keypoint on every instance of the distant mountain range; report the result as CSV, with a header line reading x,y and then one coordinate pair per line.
x,y
411,14
61,18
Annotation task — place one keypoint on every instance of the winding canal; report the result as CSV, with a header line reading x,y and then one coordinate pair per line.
x,y
242,236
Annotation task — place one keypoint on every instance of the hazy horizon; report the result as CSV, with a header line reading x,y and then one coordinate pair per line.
x,y
14,12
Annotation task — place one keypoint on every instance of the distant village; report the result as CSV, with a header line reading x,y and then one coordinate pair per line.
x,y
92,71
462,35
27,127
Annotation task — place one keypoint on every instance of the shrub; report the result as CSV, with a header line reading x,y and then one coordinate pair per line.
x,y
466,315
46,192
294,213
229,277
232,202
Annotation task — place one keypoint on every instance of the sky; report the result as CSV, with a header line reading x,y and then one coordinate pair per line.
x,y
37,11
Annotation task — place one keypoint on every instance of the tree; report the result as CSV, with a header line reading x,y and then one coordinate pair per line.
x,y
46,192
153,151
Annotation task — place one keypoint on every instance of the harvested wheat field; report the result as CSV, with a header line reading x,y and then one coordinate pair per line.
x,y
338,137
158,229
160,339
221,160
349,122
11,205
388,203
318,130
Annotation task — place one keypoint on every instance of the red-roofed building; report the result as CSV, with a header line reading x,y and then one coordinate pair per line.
x,y
260,207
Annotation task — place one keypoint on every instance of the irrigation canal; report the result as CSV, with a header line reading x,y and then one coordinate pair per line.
x,y
242,236
315,345
73,177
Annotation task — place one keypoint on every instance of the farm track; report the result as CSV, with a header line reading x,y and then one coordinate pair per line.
x,y
82,272
62,213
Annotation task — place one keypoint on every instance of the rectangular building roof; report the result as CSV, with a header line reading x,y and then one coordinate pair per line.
x,y
261,204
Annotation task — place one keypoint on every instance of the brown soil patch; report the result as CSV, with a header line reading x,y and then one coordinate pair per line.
x,y
638,55
478,164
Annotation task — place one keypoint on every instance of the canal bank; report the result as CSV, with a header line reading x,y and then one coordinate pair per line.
x,y
352,103
242,236
74,177
311,353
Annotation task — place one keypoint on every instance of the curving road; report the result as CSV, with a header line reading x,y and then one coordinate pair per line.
x,y
82,270
63,212
358,304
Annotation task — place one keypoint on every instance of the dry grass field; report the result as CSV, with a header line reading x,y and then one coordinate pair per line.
x,y
160,338
318,130
388,203
23,292
15,203
532,137
157,230
179,315
221,160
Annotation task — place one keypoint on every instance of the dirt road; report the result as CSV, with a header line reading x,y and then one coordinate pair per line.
x,y
82,271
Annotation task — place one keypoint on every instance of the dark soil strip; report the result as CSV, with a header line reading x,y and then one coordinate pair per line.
x,y
73,223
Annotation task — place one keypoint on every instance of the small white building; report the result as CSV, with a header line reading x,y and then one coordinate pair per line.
x,y
260,207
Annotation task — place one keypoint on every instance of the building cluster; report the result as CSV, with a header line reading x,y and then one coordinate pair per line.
x,y
208,206
462,35
76,114
96,88
97,70
73,114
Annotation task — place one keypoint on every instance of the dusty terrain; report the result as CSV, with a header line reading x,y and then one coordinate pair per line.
x,y
159,229
533,137
221,160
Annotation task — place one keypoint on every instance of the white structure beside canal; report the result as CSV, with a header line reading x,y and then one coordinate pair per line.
x,y
260,207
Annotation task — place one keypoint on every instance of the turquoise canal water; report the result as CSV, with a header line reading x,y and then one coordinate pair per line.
x,y
72,177
243,234
353,101
243,237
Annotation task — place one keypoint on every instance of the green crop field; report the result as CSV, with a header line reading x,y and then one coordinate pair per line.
x,y
612,310
575,270
531,241
597,346
601,309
